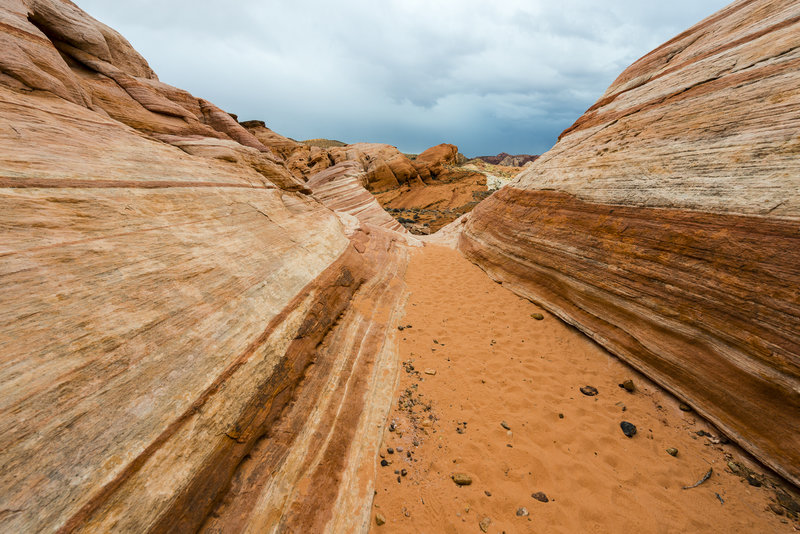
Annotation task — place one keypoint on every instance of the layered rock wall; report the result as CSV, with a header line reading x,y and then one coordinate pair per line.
x,y
187,333
666,224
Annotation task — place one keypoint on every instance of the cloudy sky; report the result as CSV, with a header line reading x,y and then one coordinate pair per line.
x,y
507,75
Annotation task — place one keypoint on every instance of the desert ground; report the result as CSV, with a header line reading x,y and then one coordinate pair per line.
x,y
490,392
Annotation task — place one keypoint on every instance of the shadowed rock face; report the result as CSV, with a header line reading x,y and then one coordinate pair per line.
x,y
186,332
509,160
666,224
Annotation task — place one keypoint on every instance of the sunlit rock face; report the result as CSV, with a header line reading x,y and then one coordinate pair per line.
x,y
666,224
187,332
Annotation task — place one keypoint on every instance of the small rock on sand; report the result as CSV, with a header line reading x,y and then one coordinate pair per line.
x,y
461,479
685,407
484,524
629,429
589,391
505,425
672,451
379,519
540,496
628,386
431,372
537,316
522,512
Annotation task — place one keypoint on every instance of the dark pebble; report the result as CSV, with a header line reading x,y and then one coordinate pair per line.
x,y
403,472
685,407
384,463
589,391
628,386
401,328
390,450
629,429
753,481
488,493
540,496
537,316
399,479
561,416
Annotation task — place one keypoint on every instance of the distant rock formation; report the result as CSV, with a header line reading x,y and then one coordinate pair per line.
x,y
508,160
423,193
666,224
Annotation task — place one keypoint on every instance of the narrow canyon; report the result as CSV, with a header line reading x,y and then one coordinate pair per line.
x,y
206,326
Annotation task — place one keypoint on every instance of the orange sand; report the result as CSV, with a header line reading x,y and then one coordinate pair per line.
x,y
494,363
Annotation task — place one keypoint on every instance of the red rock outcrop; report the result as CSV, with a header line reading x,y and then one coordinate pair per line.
x,y
342,188
666,224
301,160
189,337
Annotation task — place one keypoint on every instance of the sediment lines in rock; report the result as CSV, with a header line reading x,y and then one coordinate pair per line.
x,y
665,224
187,333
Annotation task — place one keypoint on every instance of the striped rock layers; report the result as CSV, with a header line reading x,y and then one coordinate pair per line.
x,y
665,224
188,338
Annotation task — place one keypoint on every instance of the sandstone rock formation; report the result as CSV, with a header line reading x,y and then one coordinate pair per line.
x,y
54,47
342,188
302,160
666,224
190,338
508,160
424,193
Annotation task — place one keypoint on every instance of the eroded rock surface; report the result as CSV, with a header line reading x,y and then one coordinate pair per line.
x,y
666,224
187,332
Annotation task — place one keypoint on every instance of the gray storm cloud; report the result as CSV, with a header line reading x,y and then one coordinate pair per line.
x,y
489,77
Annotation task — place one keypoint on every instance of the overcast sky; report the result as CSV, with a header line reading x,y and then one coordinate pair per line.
x,y
507,75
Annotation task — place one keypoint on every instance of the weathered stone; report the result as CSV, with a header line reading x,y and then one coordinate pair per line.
x,y
664,224
167,285
540,496
461,479
629,429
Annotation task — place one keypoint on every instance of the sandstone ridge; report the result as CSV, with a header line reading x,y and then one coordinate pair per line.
x,y
188,331
664,224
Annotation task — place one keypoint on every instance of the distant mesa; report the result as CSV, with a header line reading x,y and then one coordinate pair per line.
x,y
508,160
323,143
